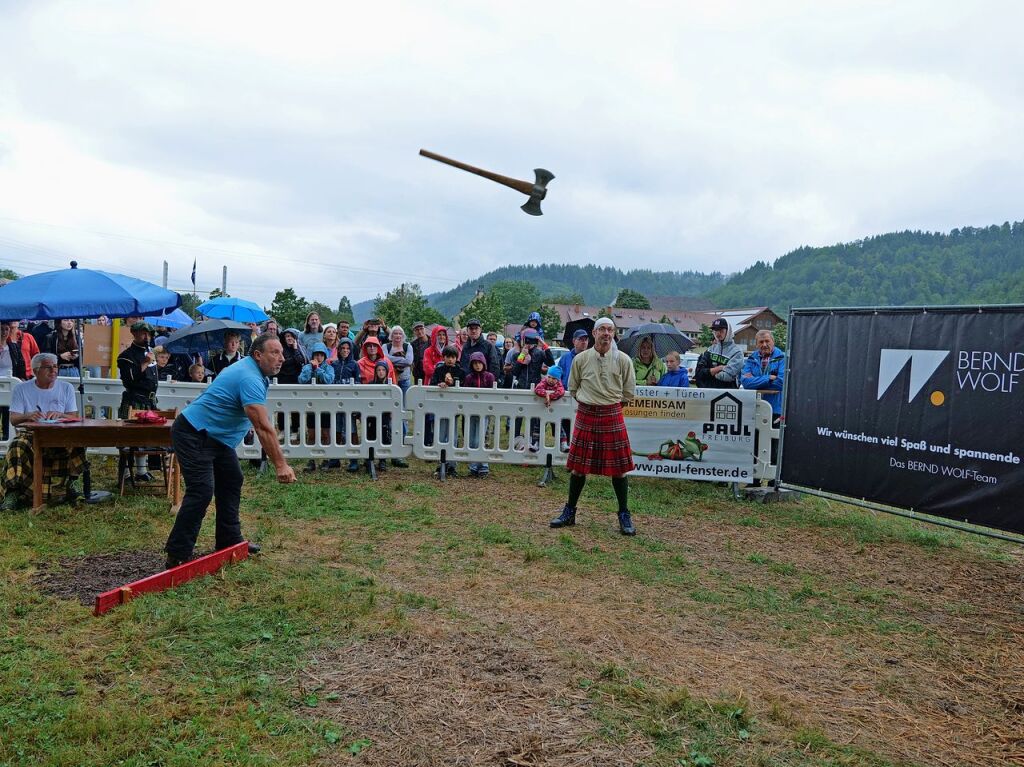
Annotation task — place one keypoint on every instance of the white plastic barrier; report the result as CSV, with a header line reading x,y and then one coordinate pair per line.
x,y
482,425
345,422
766,435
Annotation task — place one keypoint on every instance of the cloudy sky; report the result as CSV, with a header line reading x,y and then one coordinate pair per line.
x,y
281,139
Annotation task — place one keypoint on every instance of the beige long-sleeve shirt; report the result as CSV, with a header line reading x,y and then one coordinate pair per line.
x,y
596,379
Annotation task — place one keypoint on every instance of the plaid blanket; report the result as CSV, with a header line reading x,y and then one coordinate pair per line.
x,y
600,444
60,467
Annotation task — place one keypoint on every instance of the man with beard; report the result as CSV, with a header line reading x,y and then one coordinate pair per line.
x,y
601,380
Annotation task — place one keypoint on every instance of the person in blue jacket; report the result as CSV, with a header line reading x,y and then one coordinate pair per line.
x,y
580,343
676,374
765,371
317,369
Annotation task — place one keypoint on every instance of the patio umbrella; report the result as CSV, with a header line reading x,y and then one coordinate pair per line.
x,y
666,339
203,336
82,293
174,319
228,308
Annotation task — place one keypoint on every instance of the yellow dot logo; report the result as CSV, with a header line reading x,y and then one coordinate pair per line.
x,y
937,398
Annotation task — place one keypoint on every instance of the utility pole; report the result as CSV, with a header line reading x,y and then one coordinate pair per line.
x,y
224,283
165,275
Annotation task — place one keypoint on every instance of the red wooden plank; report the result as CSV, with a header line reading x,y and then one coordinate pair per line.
x,y
167,579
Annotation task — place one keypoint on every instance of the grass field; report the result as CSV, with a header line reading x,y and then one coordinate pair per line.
x,y
406,622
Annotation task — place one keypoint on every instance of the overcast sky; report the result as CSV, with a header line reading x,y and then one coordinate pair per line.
x,y
281,139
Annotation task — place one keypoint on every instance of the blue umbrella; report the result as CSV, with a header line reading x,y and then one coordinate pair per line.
x,y
175,319
82,293
228,308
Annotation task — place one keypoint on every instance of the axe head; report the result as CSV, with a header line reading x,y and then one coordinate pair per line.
x,y
540,190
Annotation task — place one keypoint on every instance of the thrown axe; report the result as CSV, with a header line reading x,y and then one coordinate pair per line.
x,y
536,191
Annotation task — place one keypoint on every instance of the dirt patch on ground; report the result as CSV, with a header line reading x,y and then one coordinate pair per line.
x,y
447,697
948,694
82,578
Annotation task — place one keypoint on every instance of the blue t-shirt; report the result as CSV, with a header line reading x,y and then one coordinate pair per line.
x,y
220,409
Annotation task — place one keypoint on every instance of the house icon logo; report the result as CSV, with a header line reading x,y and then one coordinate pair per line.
x,y
726,408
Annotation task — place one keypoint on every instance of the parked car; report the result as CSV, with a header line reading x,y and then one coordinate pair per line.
x,y
558,352
689,361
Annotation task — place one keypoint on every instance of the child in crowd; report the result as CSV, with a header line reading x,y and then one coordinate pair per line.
x,y
448,373
551,389
164,367
346,372
197,372
382,372
479,378
319,370
676,374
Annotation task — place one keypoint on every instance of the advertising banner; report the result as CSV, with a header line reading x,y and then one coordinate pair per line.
x,y
702,434
914,408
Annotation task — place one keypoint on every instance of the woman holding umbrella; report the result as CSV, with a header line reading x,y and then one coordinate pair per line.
x,y
649,368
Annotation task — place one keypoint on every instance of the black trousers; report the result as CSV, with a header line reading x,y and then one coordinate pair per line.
x,y
211,472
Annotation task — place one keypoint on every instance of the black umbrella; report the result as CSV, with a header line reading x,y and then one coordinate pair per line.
x,y
665,337
204,336
586,323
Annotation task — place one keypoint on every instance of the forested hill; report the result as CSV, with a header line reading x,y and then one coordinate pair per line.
x,y
595,284
967,266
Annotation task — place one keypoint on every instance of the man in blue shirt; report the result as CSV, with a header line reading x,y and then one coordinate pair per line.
x,y
580,342
205,436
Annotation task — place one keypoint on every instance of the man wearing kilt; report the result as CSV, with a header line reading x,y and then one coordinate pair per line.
x,y
601,380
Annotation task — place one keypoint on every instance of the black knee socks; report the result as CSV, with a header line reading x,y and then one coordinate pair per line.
x,y
621,488
576,483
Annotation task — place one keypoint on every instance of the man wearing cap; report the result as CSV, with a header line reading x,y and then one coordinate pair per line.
x,y
580,342
719,367
138,370
420,342
477,343
601,380
137,367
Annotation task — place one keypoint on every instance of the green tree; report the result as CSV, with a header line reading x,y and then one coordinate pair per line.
x,y
551,321
9,274
345,310
779,331
326,313
631,299
705,337
218,293
405,305
665,320
487,308
289,309
565,298
518,297
189,303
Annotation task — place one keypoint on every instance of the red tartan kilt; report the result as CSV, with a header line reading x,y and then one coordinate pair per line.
x,y
600,444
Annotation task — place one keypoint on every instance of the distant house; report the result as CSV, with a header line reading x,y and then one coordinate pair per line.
x,y
746,322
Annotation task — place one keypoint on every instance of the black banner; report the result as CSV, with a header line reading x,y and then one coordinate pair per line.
x,y
919,409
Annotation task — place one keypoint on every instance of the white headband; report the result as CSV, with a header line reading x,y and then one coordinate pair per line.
x,y
603,321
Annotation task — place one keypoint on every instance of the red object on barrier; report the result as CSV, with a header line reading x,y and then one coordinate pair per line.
x,y
168,579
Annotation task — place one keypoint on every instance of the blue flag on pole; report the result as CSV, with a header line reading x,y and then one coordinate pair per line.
x,y
193,275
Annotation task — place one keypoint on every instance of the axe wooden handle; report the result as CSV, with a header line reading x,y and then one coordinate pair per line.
x,y
520,186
